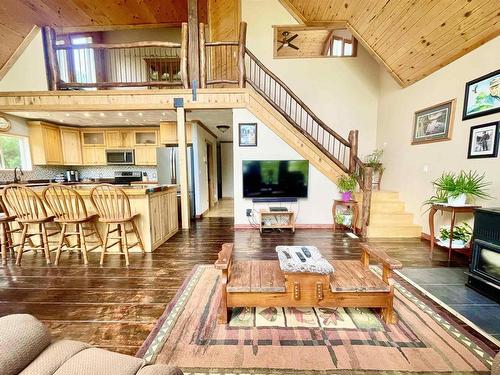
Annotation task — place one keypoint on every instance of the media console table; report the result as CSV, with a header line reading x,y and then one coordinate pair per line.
x,y
277,217
262,283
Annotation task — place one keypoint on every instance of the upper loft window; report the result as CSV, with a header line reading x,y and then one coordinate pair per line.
x,y
342,44
79,64
14,152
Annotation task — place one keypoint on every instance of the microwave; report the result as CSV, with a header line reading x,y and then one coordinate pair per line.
x,y
120,157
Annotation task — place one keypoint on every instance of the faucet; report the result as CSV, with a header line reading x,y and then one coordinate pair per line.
x,y
16,178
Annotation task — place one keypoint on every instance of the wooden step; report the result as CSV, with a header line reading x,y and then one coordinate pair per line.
x,y
391,218
387,207
394,231
385,195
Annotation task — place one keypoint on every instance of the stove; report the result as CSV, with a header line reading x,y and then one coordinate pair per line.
x,y
484,270
126,177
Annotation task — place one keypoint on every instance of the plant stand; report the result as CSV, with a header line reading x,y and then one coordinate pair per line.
x,y
350,205
453,210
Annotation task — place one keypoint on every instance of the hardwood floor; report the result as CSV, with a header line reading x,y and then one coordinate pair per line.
x,y
115,307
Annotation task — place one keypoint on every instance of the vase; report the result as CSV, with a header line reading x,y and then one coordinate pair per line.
x,y
459,200
347,196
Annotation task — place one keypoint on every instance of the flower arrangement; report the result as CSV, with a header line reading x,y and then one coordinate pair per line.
x,y
347,184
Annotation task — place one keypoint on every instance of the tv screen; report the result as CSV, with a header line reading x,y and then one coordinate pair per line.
x,y
275,178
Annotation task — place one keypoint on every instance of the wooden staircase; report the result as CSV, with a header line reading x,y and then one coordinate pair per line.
x,y
388,217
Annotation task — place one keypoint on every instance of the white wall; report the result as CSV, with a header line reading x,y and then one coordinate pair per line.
x,y
227,165
28,72
200,138
405,163
343,92
316,209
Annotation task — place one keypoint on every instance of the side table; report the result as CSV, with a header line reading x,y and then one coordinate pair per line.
x,y
351,205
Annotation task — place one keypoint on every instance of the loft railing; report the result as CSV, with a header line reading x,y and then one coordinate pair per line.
x,y
99,65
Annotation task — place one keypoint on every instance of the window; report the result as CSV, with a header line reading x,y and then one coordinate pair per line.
x,y
342,44
76,65
14,152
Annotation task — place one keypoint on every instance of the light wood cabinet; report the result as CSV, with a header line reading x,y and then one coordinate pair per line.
x,y
145,138
168,133
94,155
71,146
45,142
93,138
164,216
119,139
145,155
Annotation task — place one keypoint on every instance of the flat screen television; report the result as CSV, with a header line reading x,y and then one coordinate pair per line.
x,y
275,178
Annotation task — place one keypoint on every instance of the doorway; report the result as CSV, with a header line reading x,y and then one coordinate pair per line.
x,y
210,174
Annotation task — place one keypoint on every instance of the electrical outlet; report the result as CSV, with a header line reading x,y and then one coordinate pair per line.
x,y
249,212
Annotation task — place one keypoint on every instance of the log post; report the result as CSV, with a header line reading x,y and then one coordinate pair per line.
x,y
203,58
242,40
193,47
184,56
367,199
353,152
49,36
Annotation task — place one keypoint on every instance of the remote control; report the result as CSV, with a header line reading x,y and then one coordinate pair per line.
x,y
301,257
288,256
306,251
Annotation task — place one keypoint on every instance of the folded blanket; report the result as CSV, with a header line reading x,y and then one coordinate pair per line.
x,y
303,259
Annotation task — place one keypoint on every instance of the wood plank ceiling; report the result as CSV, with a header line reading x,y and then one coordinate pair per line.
x,y
17,18
412,38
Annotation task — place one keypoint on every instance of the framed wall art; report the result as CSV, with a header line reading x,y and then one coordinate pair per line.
x,y
483,141
433,124
482,96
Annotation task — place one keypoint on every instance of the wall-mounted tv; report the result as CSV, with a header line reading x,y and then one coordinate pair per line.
x,y
275,178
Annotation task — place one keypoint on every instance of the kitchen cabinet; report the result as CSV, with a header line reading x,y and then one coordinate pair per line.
x,y
119,139
145,155
164,216
168,133
71,146
94,155
45,143
94,138
145,138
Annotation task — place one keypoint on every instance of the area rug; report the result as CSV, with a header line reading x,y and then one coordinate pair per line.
x,y
308,341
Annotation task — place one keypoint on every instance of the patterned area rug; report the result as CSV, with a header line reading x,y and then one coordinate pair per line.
x,y
308,341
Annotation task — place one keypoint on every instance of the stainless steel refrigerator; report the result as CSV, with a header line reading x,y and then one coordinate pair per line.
x,y
168,171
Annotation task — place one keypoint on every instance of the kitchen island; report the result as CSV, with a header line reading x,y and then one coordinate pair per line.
x,y
156,205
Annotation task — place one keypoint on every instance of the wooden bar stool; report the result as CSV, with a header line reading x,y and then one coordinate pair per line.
x,y
30,212
6,221
113,206
69,209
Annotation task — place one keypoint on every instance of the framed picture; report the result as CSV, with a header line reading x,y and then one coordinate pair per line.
x,y
483,141
433,124
482,96
248,135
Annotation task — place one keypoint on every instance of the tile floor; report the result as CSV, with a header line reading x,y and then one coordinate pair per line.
x,y
448,285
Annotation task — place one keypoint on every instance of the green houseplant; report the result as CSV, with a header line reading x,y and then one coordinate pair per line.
x,y
347,184
374,160
456,188
462,234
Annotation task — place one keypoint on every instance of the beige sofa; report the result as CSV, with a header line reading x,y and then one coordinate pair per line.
x,y
26,348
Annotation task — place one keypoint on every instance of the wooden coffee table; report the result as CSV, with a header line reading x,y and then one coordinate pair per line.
x,y
261,283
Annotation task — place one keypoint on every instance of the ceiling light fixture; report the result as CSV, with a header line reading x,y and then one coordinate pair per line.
x,y
120,114
223,128
67,114
126,119
140,113
86,114
101,114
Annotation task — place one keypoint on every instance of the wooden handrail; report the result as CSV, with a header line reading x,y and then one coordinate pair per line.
x,y
118,45
215,44
296,98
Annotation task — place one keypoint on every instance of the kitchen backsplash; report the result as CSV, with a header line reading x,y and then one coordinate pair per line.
x,y
46,173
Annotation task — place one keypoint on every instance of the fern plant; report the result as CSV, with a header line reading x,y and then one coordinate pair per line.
x,y
470,183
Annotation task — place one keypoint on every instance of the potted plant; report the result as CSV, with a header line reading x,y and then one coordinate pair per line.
x,y
456,188
462,234
347,184
374,160
343,218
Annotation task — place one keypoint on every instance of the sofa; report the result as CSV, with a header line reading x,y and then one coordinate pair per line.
x,y
26,348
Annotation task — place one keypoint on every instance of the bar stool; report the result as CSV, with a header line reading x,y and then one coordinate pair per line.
x,y
6,220
30,211
113,206
69,209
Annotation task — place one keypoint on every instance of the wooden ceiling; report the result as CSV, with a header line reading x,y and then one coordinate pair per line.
x,y
411,38
17,17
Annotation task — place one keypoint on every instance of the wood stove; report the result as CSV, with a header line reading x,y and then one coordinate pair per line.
x,y
484,270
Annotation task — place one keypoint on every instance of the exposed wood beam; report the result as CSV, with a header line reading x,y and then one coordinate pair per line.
x,y
19,51
97,28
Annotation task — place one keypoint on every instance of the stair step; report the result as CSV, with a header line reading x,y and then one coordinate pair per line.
x,y
380,218
385,194
386,207
393,231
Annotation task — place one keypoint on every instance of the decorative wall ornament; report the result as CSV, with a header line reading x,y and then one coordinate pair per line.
x,y
434,124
